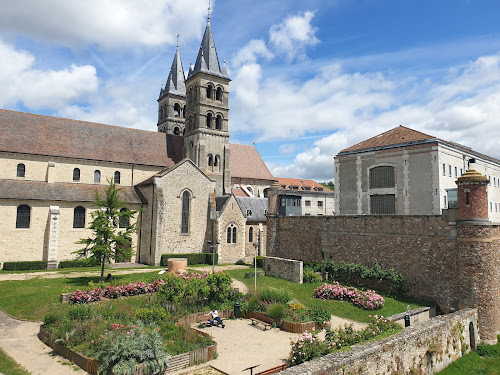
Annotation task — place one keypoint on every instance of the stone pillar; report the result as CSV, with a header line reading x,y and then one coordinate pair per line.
x,y
53,237
261,240
273,204
472,196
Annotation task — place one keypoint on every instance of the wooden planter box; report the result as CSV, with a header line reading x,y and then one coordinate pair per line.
x,y
90,365
283,324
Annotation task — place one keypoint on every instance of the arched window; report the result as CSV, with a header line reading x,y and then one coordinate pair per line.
x,y
23,216
117,177
218,94
185,212
250,235
21,170
209,92
177,110
76,174
176,131
234,234
216,163
209,120
210,160
218,122
97,176
124,220
229,232
183,111
266,191
79,217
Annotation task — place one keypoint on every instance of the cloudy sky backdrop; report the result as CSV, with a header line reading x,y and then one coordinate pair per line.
x,y
309,78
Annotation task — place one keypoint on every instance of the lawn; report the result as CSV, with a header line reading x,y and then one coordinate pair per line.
x,y
304,294
10,367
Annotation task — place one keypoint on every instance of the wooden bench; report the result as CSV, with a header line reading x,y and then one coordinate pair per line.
x,y
267,324
273,370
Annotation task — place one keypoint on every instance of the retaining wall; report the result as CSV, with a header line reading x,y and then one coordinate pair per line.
x,y
287,269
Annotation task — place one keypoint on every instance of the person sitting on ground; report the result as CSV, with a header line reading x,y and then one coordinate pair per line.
x,y
214,317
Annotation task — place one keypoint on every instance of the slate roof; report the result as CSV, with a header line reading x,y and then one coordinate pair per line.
x,y
247,163
175,81
60,191
220,201
254,209
402,136
308,185
28,133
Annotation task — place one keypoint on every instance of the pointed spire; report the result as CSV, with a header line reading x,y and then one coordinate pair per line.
x,y
175,81
224,69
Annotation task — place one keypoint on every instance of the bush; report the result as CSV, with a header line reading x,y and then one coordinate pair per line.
x,y
77,263
309,276
152,315
368,300
319,315
276,311
192,258
24,266
260,262
275,295
81,312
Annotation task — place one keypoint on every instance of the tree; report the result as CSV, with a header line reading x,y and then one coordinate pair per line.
x,y
107,237
328,185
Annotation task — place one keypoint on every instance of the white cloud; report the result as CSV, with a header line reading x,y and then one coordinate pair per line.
x,y
108,23
250,52
36,88
293,35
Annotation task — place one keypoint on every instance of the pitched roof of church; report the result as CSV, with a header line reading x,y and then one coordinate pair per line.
x,y
207,60
246,162
175,81
28,133
60,191
398,135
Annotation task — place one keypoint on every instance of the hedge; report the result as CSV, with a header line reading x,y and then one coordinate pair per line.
x,y
77,263
23,266
192,258
260,262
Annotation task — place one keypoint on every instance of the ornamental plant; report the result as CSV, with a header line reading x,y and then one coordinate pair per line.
x,y
88,296
368,300
307,347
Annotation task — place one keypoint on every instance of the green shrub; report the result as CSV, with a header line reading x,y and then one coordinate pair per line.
x,y
260,262
192,258
81,312
276,311
309,276
275,295
24,266
489,350
152,315
77,263
319,315
173,289
253,304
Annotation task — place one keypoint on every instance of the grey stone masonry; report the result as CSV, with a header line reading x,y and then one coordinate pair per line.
x,y
287,269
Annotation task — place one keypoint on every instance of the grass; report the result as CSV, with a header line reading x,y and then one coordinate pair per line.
x,y
304,294
10,367
32,299
473,363
96,269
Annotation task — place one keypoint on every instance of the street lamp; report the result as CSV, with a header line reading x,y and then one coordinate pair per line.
x,y
256,246
213,252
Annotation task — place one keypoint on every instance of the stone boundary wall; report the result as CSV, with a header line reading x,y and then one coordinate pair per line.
x,y
424,349
453,264
287,269
422,314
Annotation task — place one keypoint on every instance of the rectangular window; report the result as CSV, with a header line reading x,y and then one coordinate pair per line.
x,y
449,169
382,177
444,169
308,204
444,201
452,198
320,203
282,202
491,206
496,207
461,171
456,172
383,204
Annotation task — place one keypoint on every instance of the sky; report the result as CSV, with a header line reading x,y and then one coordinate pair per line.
x,y
309,78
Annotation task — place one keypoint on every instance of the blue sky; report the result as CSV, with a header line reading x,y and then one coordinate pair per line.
x,y
309,78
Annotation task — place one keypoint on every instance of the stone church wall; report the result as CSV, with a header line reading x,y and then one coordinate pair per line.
x,y
454,267
231,252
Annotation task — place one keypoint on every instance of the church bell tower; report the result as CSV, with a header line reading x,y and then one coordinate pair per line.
x,y
206,137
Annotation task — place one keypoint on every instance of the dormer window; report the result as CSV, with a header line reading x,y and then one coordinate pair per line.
x,y
249,212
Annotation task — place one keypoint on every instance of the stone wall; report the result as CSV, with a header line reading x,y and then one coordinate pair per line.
x,y
287,269
453,265
424,349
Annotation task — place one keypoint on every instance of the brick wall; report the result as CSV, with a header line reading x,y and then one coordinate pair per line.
x,y
453,266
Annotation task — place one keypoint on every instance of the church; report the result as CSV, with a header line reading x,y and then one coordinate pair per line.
x,y
195,191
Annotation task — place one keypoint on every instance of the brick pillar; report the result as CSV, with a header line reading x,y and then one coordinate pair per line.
x,y
472,196
273,205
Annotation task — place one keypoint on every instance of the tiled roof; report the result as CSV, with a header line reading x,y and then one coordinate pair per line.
x,y
53,136
238,192
60,191
311,185
398,135
175,143
247,163
254,209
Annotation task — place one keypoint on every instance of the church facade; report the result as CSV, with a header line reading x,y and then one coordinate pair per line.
x,y
194,190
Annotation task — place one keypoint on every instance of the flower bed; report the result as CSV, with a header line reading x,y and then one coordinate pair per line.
x,y
113,292
368,300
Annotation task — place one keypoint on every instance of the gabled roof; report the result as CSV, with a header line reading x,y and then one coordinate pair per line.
x,y
398,135
28,133
220,202
254,209
175,81
166,171
60,191
207,60
299,184
247,163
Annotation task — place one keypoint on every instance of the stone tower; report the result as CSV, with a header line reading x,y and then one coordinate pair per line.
x,y
172,100
472,196
206,138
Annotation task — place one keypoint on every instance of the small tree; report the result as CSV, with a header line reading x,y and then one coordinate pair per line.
x,y
107,237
